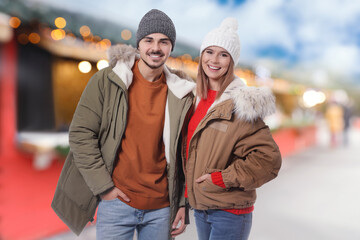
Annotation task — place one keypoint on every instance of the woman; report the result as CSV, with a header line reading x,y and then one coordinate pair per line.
x,y
230,151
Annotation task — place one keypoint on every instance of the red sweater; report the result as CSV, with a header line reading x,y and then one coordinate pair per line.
x,y
199,114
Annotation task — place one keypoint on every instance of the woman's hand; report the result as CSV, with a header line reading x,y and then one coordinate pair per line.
x,y
203,178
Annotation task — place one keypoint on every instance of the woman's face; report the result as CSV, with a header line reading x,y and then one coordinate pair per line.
x,y
215,62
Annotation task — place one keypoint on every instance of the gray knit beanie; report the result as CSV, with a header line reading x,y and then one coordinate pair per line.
x,y
156,21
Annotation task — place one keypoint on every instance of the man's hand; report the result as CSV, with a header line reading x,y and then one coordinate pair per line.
x,y
114,193
203,178
180,216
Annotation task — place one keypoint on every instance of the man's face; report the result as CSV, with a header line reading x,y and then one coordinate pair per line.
x,y
155,49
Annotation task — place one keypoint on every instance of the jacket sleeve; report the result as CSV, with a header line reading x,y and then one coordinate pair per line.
x,y
84,136
256,158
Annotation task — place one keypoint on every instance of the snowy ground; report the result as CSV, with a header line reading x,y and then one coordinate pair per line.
x,y
315,197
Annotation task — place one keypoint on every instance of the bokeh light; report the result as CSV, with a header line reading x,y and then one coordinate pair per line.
x,y
14,22
60,22
312,98
126,34
34,38
85,31
102,64
84,66
58,34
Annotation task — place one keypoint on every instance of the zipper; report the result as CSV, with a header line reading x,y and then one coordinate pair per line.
x,y
177,139
182,124
116,112
205,119
198,129
189,102
125,123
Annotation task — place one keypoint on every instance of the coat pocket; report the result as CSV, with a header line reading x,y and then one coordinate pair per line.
x,y
210,187
222,127
76,188
212,170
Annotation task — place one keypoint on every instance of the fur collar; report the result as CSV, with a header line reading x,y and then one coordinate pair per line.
x,y
121,52
250,103
122,58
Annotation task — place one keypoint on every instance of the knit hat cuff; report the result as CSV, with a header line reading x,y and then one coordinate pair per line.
x,y
155,21
233,50
226,37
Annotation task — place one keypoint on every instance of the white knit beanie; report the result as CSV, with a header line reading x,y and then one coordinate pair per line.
x,y
226,37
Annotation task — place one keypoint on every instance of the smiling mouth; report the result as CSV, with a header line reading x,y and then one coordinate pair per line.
x,y
156,55
214,68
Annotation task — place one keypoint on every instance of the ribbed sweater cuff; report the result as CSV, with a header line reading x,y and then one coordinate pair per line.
x,y
217,179
240,211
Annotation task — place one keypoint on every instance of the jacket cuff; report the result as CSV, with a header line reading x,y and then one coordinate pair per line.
x,y
217,179
182,202
104,188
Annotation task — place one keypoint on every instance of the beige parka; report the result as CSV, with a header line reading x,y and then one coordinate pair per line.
x,y
232,138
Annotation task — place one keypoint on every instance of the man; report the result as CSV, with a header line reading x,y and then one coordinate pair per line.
x,y
124,141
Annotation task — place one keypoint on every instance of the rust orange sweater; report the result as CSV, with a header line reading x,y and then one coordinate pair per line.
x,y
140,171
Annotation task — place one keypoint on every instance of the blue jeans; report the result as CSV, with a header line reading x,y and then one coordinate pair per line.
x,y
221,225
118,221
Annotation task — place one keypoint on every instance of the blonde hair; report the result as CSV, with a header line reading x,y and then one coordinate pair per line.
x,y
202,80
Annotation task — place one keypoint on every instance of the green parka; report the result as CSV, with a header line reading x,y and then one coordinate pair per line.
x,y
95,135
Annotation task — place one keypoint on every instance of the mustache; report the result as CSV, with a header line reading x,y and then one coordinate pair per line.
x,y
157,53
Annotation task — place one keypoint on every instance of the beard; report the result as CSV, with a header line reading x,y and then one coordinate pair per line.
x,y
160,64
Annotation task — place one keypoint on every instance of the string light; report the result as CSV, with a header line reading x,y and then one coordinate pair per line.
x,y
102,64
60,22
58,34
14,22
84,66
34,38
85,31
312,98
126,34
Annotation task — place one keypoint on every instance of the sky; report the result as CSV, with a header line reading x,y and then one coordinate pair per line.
x,y
314,41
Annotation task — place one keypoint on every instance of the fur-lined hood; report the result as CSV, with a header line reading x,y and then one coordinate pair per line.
x,y
122,58
250,103
120,52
